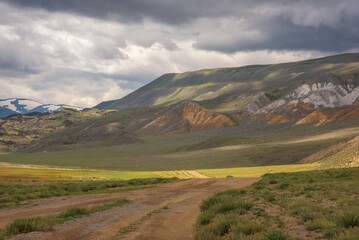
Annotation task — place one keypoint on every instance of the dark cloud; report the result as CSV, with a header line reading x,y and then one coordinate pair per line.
x,y
330,26
280,34
81,52
125,10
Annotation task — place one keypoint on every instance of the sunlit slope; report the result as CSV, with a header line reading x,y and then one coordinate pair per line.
x,y
229,89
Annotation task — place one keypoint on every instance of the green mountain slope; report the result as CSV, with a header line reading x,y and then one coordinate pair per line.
x,y
232,89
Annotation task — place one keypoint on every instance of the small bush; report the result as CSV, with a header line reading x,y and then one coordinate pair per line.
x,y
283,185
205,218
332,232
26,225
319,224
273,181
349,220
270,198
309,188
204,234
348,234
222,225
250,227
75,212
259,186
304,208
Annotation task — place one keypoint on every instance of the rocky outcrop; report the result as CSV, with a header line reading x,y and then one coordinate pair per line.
x,y
185,116
304,104
259,101
329,91
318,116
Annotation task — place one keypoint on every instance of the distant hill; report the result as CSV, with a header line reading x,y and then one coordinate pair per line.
x,y
127,126
20,130
344,154
314,92
12,106
275,93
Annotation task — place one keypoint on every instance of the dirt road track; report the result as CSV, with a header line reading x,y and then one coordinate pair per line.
x,y
175,222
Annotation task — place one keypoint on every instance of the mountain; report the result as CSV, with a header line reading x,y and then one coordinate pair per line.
x,y
313,92
275,93
20,130
12,106
185,116
129,126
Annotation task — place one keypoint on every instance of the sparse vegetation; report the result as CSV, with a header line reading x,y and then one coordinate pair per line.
x,y
18,193
286,206
132,227
26,225
233,147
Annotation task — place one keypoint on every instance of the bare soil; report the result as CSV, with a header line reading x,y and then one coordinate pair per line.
x,y
174,208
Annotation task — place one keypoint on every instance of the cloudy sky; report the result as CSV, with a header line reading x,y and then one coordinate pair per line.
x,y
81,52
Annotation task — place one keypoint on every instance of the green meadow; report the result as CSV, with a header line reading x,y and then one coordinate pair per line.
x,y
241,146
320,204
257,171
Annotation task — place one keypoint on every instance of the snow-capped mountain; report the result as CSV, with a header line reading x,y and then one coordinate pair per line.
x,y
24,106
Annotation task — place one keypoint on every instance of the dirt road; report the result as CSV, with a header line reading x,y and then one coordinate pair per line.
x,y
165,212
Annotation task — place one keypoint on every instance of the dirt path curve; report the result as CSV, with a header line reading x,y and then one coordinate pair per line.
x,y
172,222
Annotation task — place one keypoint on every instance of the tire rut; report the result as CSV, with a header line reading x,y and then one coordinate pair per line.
x,y
183,200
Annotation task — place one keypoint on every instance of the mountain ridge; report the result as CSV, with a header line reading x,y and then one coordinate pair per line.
x,y
212,83
273,93
11,106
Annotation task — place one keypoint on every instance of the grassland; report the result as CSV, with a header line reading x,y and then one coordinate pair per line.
x,y
15,194
17,172
304,205
256,171
240,146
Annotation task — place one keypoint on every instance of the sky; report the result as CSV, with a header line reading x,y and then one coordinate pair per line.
x,y
82,52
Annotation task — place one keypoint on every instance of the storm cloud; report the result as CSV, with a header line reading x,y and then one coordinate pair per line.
x,y
114,47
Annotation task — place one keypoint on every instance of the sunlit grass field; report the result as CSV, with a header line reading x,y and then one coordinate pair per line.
x,y
256,171
40,173
26,172
233,147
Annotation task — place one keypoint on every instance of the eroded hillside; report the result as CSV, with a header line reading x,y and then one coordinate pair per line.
x,y
18,131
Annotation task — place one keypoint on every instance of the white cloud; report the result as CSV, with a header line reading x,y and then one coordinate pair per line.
x,y
77,60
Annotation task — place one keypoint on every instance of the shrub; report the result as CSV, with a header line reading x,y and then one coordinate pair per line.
x,y
349,220
273,181
222,225
304,208
26,225
205,218
270,198
349,234
250,227
74,212
283,185
319,224
204,234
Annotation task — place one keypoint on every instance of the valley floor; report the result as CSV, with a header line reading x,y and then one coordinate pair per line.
x,y
167,211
